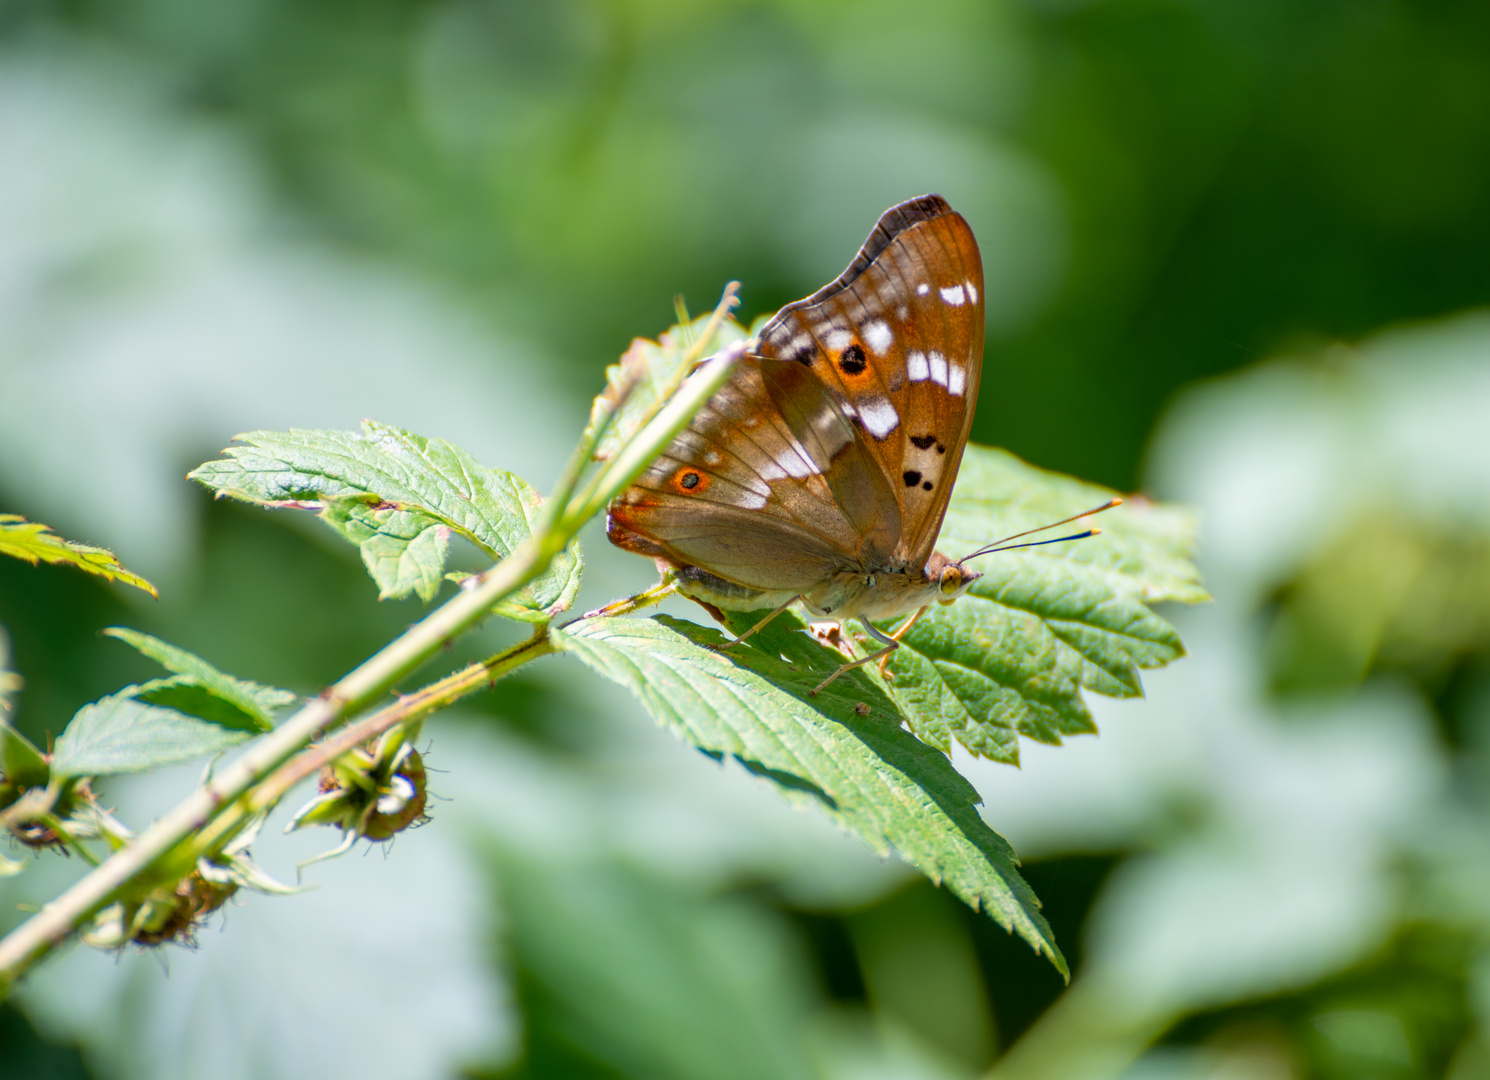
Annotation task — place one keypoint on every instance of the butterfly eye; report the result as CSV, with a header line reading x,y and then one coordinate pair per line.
x,y
688,481
951,580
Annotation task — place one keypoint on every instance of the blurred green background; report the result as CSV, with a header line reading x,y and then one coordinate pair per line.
x,y
1233,256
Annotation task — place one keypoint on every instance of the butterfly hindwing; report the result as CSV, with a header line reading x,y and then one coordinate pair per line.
x,y
898,341
768,487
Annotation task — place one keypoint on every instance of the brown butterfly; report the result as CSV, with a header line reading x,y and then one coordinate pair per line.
x,y
821,470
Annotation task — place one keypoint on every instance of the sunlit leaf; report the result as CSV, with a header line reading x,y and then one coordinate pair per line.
x,y
843,752
656,368
254,700
34,542
123,734
397,496
1013,656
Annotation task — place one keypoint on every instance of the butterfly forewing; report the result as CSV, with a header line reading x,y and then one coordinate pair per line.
x,y
898,341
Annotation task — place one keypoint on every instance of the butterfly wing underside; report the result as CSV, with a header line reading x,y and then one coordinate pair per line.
x,y
898,341
768,487
836,443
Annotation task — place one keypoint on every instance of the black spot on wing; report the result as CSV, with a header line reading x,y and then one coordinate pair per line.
x,y
923,442
852,361
911,477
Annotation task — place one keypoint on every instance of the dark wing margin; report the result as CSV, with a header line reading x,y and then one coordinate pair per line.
x,y
891,223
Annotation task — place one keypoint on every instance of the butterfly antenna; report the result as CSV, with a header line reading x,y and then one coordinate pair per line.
x,y
998,545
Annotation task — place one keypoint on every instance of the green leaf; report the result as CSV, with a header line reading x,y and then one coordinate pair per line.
x,y
1144,545
21,764
397,496
122,734
657,368
843,751
404,550
34,542
253,701
1013,656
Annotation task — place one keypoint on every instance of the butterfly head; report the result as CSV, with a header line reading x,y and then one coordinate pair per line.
x,y
952,578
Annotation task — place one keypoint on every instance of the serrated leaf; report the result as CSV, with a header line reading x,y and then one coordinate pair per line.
x,y
1013,656
843,751
34,542
186,695
403,550
253,701
21,763
397,495
1144,544
122,734
657,368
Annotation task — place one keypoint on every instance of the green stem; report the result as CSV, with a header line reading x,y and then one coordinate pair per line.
x,y
57,921
407,710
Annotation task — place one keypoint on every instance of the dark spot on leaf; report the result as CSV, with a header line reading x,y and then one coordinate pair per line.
x,y
852,361
912,478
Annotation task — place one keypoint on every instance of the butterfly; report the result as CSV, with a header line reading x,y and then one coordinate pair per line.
x,y
820,472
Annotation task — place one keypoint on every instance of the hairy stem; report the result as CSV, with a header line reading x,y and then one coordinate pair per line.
x,y
408,709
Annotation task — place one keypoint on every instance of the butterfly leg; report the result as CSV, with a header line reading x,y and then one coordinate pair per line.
x,y
882,654
898,635
758,626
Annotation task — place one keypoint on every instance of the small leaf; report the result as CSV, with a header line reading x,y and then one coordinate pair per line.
x,y
186,695
22,764
253,700
397,496
121,734
34,542
843,752
657,368
404,550
1013,656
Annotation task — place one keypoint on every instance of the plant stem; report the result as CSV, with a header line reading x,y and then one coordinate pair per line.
x,y
58,920
49,927
407,709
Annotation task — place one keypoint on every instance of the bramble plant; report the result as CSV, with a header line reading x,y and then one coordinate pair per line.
x,y
1011,658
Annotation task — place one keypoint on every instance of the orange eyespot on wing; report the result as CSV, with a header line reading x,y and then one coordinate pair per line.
x,y
689,481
